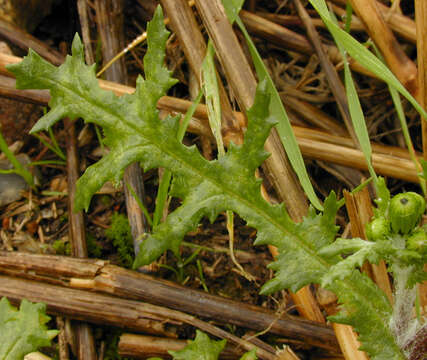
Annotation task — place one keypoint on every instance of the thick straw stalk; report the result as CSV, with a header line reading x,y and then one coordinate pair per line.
x,y
99,276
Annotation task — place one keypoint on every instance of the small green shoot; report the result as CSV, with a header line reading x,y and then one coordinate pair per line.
x,y
120,234
18,168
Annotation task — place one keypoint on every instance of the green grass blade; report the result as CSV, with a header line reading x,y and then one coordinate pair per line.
x,y
162,192
211,91
355,109
362,55
283,126
18,167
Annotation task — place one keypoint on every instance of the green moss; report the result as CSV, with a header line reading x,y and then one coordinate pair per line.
x,y
93,249
62,247
120,234
112,342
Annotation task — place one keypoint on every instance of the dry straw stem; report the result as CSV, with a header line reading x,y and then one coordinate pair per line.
x,y
290,40
313,115
108,310
82,8
421,22
317,145
399,63
24,40
84,337
331,73
400,24
99,276
142,347
183,23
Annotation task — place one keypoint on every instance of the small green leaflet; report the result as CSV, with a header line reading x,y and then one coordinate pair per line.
x,y
23,331
203,348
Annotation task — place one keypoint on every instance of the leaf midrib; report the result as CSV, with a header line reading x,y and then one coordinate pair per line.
x,y
243,200
251,206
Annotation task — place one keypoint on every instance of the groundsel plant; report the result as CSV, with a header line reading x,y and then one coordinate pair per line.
x,y
308,251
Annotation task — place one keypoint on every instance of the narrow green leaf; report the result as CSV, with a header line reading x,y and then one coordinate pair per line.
x,y
232,8
283,126
277,109
362,55
18,168
211,92
162,192
355,109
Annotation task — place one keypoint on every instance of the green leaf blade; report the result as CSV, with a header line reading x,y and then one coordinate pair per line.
x,y
23,331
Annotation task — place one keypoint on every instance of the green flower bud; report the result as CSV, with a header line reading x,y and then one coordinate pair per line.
x,y
377,229
406,210
417,241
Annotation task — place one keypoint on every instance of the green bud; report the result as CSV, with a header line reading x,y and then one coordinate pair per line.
x,y
406,210
417,241
377,229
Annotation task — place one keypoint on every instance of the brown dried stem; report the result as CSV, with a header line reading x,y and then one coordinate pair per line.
x,y
85,341
141,347
402,25
184,24
399,63
26,41
98,275
317,145
359,209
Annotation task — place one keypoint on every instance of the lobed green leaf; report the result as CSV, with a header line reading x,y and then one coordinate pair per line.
x,y
23,331
134,132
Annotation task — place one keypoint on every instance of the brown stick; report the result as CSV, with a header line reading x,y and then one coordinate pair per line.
x,y
99,276
82,8
399,63
85,342
383,164
108,310
25,41
87,306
